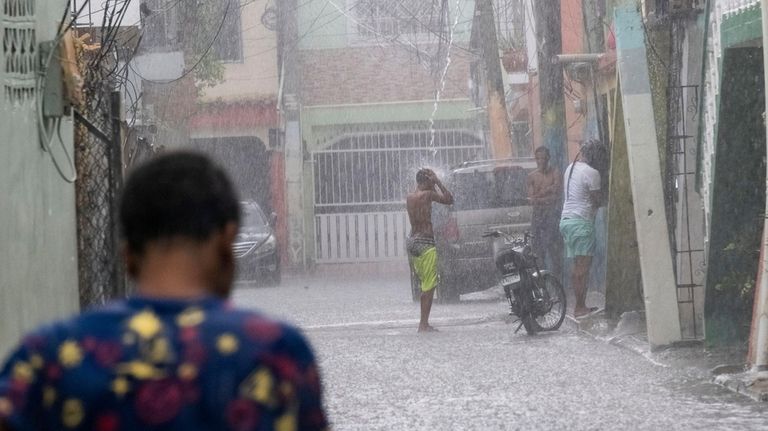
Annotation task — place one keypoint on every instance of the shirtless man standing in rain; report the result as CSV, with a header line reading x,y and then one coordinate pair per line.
x,y
421,242
545,191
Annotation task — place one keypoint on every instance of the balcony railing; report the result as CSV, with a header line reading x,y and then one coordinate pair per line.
x,y
733,7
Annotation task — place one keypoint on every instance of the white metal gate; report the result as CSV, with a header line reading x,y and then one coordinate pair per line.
x,y
361,237
361,179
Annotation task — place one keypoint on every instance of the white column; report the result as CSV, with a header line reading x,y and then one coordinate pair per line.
x,y
659,288
294,180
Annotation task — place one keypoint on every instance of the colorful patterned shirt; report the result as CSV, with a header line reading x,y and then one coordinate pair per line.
x,y
160,364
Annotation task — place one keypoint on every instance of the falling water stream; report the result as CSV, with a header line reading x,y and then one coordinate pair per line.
x,y
443,75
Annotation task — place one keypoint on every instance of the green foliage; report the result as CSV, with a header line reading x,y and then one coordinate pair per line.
x,y
740,281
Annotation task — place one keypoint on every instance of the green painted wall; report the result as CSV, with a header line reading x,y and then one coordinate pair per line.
x,y
623,279
738,197
38,244
398,112
329,24
741,27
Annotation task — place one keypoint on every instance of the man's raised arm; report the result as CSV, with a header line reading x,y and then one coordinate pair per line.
x,y
444,196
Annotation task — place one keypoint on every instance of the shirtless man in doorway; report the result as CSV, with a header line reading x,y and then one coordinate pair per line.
x,y
421,241
545,191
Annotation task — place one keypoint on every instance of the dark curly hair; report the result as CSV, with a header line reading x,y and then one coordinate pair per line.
x,y
422,176
180,194
595,154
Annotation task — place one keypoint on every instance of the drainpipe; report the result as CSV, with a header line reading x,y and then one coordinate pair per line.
x,y
759,338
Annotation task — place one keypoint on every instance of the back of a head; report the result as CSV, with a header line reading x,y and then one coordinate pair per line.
x,y
178,195
595,154
422,176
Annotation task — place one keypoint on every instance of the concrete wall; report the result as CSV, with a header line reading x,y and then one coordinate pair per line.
x,y
38,251
377,74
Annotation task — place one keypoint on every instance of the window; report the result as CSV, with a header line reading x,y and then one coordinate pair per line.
x,y
19,49
510,23
229,44
392,18
503,187
160,26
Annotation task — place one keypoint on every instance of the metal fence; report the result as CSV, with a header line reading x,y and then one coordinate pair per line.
x,y
361,179
98,158
374,170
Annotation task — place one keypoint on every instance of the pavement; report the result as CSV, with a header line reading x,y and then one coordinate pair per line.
x,y
724,366
476,373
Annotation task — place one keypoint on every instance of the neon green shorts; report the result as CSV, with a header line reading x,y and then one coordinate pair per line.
x,y
425,266
578,236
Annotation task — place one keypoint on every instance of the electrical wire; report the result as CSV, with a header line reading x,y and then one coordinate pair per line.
x,y
47,133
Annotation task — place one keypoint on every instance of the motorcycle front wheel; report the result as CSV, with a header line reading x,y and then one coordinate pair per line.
x,y
549,303
525,312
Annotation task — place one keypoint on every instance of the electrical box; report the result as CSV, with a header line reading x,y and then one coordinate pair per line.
x,y
54,103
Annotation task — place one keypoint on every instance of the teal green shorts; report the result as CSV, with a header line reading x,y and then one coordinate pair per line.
x,y
578,236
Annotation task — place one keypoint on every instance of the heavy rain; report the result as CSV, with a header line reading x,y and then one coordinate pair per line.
x,y
383,214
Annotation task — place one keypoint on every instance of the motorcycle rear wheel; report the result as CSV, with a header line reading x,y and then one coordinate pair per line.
x,y
549,303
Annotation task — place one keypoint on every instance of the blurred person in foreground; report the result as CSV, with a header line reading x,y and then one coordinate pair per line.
x,y
175,356
577,224
545,189
421,242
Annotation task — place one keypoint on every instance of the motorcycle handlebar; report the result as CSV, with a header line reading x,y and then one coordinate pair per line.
x,y
495,234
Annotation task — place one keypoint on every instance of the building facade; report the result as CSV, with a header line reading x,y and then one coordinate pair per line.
x,y
38,257
372,92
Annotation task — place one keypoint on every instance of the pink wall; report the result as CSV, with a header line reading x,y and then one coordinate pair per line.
x,y
572,26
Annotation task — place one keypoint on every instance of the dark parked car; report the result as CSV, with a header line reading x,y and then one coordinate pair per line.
x,y
488,195
256,247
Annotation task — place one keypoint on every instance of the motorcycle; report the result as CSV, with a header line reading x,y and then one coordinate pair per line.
x,y
535,296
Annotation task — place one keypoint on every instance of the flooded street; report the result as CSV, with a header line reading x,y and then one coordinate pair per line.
x,y
476,373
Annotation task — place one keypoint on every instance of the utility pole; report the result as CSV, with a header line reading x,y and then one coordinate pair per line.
x,y
501,145
549,39
290,65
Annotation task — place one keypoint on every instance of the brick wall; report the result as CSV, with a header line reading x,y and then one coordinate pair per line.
x,y
377,74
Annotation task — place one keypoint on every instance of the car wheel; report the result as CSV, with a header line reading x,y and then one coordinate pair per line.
x,y
274,277
247,274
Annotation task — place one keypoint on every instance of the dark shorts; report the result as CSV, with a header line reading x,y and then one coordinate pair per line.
x,y
544,227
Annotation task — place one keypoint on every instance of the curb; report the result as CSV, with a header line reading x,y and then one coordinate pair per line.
x,y
750,384
628,342
404,323
753,385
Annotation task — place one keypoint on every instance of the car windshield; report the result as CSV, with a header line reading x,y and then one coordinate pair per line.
x,y
499,188
253,217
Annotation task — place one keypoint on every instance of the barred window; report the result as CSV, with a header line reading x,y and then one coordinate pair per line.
x,y
229,43
392,18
